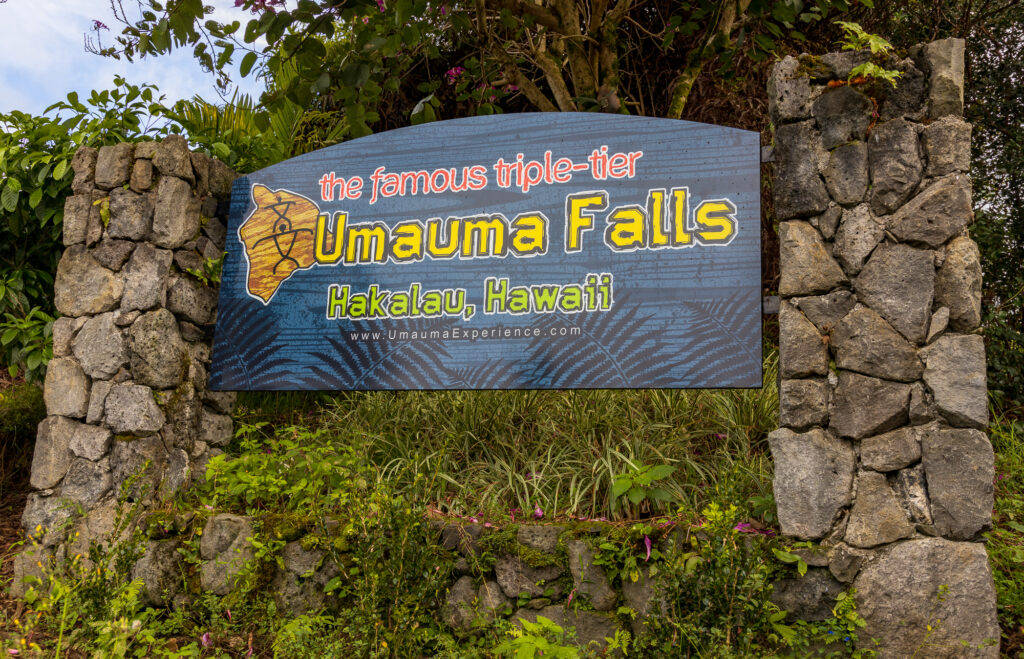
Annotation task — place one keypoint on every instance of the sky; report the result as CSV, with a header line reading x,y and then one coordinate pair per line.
x,y
43,57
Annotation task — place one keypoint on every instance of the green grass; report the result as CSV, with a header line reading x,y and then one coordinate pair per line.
x,y
1006,540
488,452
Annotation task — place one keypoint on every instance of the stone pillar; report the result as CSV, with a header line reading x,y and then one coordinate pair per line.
x,y
882,455
128,382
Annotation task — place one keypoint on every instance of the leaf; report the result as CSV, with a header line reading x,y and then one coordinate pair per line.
x,y
660,472
621,484
9,336
636,495
35,197
247,63
60,169
9,197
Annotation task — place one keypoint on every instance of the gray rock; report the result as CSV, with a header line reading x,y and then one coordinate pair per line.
x,y
828,221
113,253
591,628
877,517
87,482
52,456
542,538
802,350
813,480
113,165
126,318
799,190
131,215
177,473
64,330
187,259
898,282
939,323
959,466
958,284
161,571
90,442
639,595
589,579
789,94
846,562
146,149
955,374
28,571
935,215
863,406
898,595
216,429
907,98
460,537
825,311
187,297
83,286
201,171
910,488
865,343
803,403
145,284
190,332
806,267
843,115
516,577
144,458
921,410
84,165
142,175
225,549
223,402
100,347
857,235
846,175
221,179
844,61
492,601
947,146
158,355
176,215
810,597
892,450
77,210
183,410
215,231
946,62
459,611
47,518
171,158
895,164
298,586
131,409
66,388
97,400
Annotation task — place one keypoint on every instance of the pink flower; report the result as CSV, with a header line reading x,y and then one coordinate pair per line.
x,y
488,525
229,614
380,5
453,74
511,88
512,512
647,543
98,25
205,640
537,512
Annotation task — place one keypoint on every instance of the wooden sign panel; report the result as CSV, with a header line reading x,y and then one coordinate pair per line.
x,y
555,250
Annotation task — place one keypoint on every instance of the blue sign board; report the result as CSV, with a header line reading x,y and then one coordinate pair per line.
x,y
555,250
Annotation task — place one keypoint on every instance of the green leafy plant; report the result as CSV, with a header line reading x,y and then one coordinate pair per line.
x,y
856,38
26,342
210,272
542,638
642,488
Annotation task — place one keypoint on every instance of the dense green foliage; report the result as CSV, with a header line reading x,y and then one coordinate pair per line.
x,y
35,181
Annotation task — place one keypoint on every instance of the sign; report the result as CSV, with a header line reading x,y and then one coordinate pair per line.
x,y
555,250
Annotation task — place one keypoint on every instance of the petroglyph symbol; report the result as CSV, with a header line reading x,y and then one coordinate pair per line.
x,y
278,237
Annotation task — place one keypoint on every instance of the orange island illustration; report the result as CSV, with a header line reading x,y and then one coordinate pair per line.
x,y
278,237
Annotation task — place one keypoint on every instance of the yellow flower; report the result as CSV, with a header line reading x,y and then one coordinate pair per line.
x,y
383,644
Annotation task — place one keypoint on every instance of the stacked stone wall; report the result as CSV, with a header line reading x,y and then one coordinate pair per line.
x,y
882,456
126,392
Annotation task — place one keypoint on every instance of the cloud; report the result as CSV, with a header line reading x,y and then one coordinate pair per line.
x,y
44,56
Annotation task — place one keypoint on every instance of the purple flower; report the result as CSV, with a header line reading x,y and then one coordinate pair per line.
x,y
537,512
647,543
380,5
511,88
99,25
205,640
453,74
443,10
